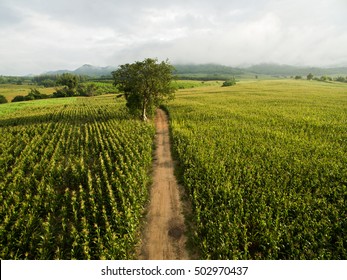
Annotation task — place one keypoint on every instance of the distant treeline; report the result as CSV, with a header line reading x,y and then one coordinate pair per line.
x,y
207,69
202,72
48,80
53,80
323,78
14,80
68,85
206,72
289,70
221,72
204,77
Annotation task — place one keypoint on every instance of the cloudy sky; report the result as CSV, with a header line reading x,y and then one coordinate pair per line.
x,y
42,35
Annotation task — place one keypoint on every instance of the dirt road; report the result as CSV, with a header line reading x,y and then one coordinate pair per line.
x,y
164,235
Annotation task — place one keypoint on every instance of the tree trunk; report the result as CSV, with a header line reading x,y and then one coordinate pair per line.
x,y
144,116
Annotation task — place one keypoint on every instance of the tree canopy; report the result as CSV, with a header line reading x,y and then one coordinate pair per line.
x,y
229,82
310,76
3,99
145,84
70,83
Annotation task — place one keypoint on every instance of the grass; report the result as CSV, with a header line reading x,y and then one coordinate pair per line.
x,y
11,91
9,108
263,162
188,84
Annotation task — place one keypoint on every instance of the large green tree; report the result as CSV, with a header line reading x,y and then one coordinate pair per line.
x,y
70,83
145,84
69,80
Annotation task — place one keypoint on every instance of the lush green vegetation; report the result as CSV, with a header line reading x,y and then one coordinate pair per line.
x,y
186,84
18,106
3,99
145,85
73,179
10,91
229,82
206,72
27,92
264,164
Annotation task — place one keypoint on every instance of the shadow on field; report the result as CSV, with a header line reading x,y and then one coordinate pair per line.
x,y
70,117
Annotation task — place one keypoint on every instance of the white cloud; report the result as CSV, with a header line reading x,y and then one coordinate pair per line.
x,y
43,35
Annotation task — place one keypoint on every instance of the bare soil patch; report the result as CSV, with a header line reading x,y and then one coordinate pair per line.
x,y
164,234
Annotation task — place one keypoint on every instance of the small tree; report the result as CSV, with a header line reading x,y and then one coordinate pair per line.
x,y
310,76
34,94
3,99
229,82
145,84
48,83
340,79
70,82
87,90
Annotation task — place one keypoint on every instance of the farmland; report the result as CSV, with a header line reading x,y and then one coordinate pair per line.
x,y
10,91
74,178
264,164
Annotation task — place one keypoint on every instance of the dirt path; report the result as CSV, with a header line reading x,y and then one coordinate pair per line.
x,y
164,236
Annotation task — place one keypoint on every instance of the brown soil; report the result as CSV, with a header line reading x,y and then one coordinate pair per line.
x,y
164,234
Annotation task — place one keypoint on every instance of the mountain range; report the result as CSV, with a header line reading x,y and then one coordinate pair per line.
x,y
203,70
86,70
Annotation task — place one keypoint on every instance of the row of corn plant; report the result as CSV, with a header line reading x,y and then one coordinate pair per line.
x,y
73,181
265,167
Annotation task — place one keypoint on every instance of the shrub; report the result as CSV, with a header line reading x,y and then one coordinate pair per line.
x,y
3,99
310,76
87,90
229,82
341,79
33,94
48,83
18,98
326,78
64,92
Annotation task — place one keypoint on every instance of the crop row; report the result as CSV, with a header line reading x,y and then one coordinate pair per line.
x,y
73,181
265,169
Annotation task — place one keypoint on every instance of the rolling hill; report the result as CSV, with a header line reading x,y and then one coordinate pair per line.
x,y
217,71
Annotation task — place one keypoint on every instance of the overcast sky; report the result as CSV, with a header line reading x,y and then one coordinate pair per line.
x,y
42,35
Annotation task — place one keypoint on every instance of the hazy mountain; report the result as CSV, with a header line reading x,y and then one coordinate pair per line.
x,y
207,69
87,70
218,71
288,70
90,70
57,72
259,69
